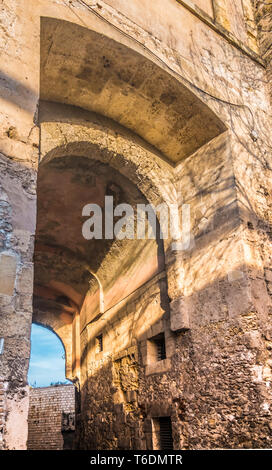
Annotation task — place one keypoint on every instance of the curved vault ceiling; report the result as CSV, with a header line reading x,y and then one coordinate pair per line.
x,y
64,260
83,68
86,69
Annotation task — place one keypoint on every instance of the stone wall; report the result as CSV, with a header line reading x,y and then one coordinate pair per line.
x,y
17,207
215,374
51,418
18,161
177,103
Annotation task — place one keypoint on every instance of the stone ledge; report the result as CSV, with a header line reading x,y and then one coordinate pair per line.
x,y
158,367
126,352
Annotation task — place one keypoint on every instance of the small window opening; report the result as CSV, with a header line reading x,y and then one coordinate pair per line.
x,y
160,347
166,438
99,341
162,438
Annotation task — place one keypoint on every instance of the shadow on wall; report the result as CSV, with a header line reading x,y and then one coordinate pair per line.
x,y
210,405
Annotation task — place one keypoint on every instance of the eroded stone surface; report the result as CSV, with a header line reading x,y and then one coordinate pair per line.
x,y
178,92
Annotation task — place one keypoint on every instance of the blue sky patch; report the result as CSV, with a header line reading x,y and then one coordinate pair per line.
x,y
47,360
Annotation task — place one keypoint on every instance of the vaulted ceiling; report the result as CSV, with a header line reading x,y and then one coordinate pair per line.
x,y
83,68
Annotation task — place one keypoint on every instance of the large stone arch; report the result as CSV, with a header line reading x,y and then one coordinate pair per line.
x,y
106,107
66,130
84,68
97,154
69,131
93,138
111,76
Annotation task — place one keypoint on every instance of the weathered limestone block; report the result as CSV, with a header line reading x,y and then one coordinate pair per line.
x,y
25,280
180,315
158,368
8,264
16,419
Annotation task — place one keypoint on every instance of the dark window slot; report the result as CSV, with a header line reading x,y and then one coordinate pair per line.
x,y
99,340
166,438
160,345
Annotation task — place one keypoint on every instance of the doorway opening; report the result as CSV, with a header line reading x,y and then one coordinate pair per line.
x,y
47,360
51,418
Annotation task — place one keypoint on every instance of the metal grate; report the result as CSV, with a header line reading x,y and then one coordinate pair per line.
x,y
166,439
99,340
160,345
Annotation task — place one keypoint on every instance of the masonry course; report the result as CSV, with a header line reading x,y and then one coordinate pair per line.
x,y
47,406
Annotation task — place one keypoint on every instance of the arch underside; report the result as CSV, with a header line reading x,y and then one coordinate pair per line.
x,y
65,261
86,69
139,122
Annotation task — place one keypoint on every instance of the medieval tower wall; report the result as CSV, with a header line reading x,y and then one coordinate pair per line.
x,y
51,418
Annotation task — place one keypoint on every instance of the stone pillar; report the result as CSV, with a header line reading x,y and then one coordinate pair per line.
x,y
17,205
179,315
19,141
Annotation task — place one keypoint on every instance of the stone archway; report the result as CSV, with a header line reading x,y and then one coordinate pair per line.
x,y
110,112
71,273
52,399
82,173
67,130
138,91
96,73
90,70
108,128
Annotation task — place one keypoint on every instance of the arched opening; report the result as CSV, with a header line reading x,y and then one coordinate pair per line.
x,y
107,133
47,359
83,287
51,417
